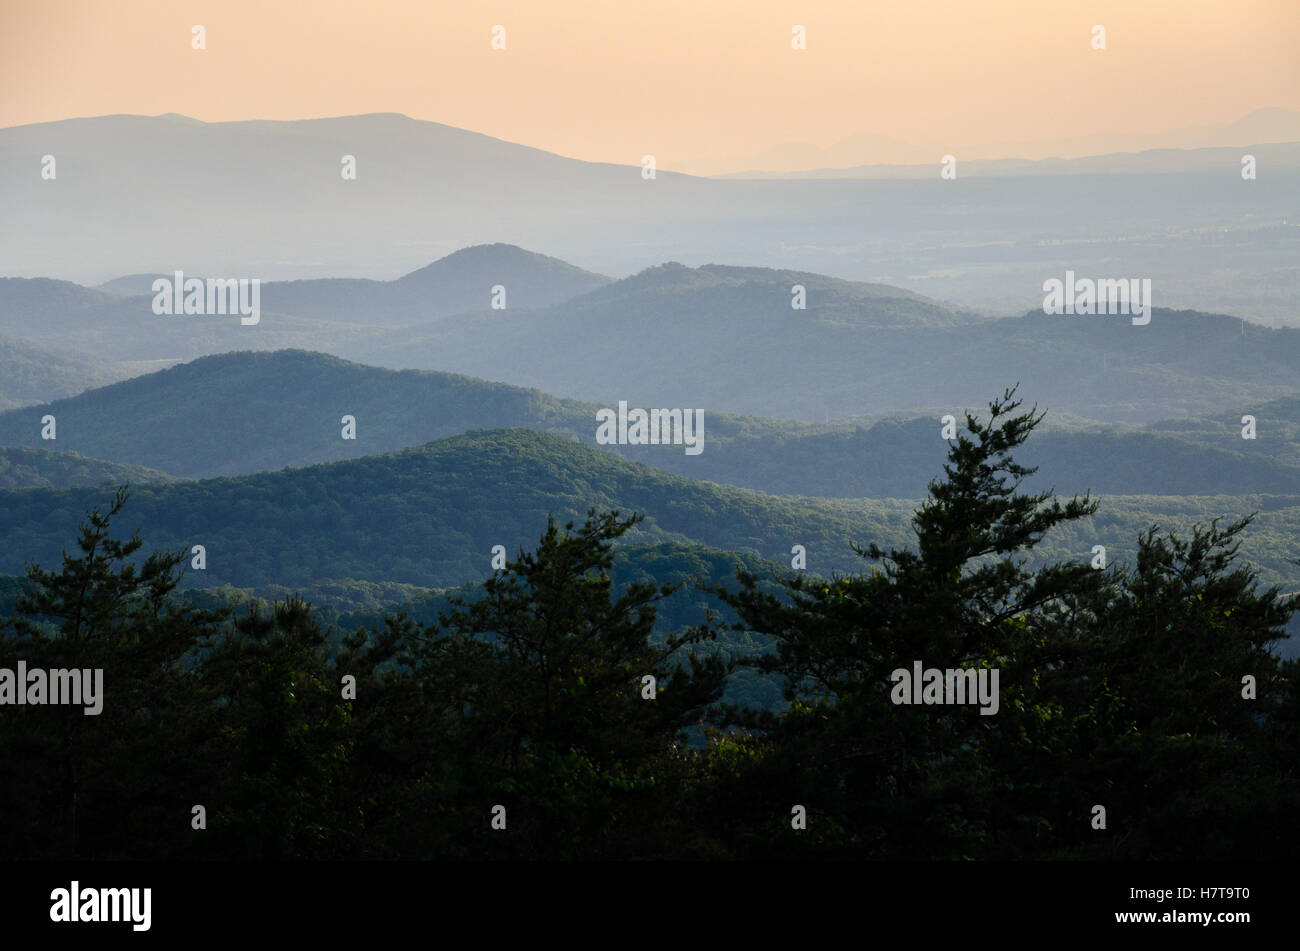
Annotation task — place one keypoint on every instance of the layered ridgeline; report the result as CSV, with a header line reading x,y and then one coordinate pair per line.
x,y
272,191
116,321
729,339
242,413
431,516
725,338
459,283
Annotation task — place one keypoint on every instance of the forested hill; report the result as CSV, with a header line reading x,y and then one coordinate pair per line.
x,y
431,515
22,468
241,413
246,412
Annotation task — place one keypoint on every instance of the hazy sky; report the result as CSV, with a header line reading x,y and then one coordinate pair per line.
x,y
700,83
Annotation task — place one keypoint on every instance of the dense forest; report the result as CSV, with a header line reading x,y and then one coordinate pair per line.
x,y
368,534
548,712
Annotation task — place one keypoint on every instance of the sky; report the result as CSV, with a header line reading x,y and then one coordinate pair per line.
x,y
704,85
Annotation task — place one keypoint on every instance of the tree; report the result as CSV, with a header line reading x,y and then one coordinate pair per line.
x,y
1120,688
894,781
294,781
1189,760
541,682
96,786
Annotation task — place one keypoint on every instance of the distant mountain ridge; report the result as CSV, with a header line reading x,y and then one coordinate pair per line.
x,y
1283,156
115,322
1263,127
777,343
458,283
269,199
676,336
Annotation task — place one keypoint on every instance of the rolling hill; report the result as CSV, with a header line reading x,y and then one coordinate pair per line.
x,y
725,338
45,469
731,342
116,320
431,515
82,325
29,374
458,283
242,413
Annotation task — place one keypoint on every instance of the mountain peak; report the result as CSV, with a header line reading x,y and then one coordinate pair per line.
x,y
179,117
531,280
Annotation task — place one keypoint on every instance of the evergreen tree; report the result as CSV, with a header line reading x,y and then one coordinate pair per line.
x,y
890,781
108,785
542,682
1165,730
1120,688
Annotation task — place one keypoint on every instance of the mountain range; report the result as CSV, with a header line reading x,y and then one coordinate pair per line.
x,y
431,516
1281,156
711,337
873,155
242,413
269,200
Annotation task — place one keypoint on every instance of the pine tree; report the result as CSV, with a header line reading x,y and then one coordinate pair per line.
x,y
1167,734
98,786
897,781
543,683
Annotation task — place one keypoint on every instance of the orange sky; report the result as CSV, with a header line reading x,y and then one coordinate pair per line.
x,y
699,83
